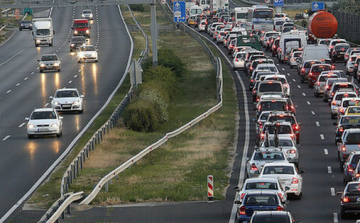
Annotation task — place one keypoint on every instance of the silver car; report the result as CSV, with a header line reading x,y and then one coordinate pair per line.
x,y
319,86
49,62
67,99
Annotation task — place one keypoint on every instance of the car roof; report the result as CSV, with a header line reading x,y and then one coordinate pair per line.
x,y
261,192
256,179
43,109
280,163
66,89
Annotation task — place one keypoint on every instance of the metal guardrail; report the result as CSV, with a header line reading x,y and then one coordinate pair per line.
x,y
105,181
58,208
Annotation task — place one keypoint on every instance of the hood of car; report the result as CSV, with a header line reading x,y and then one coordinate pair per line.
x,y
69,100
39,122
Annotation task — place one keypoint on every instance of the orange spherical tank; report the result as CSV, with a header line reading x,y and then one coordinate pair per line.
x,y
323,24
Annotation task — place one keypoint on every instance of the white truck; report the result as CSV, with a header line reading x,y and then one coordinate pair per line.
x,y
43,31
288,41
315,52
218,4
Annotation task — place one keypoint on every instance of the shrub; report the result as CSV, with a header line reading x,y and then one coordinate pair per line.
x,y
163,77
141,116
137,7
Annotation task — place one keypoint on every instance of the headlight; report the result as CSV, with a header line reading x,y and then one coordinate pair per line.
x,y
56,64
72,44
81,55
77,102
75,32
38,41
55,102
87,31
30,126
55,125
42,65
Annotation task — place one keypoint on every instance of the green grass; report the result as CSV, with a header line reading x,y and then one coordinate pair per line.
x,y
176,171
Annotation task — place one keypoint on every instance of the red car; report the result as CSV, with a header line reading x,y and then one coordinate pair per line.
x,y
315,71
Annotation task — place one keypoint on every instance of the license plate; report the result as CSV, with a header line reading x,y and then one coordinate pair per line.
x,y
358,199
49,67
43,130
66,106
88,55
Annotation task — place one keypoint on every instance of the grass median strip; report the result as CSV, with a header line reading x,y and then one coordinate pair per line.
x,y
176,171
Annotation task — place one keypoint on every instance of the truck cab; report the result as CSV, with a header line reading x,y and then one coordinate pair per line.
x,y
43,32
81,27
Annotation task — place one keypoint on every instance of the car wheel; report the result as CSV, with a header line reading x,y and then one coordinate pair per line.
x,y
81,111
316,95
299,196
59,135
36,45
96,61
41,70
342,214
30,136
51,44
59,70
333,116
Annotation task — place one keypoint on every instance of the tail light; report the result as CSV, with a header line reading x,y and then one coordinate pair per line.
x,y
350,168
357,175
252,80
251,68
317,83
302,70
333,102
294,180
253,167
262,136
310,74
242,210
332,67
342,110
343,148
237,60
292,135
291,151
346,199
254,91
279,208
281,196
242,195
296,127
332,93
341,129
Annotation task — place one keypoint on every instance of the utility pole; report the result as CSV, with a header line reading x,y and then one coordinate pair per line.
x,y
154,33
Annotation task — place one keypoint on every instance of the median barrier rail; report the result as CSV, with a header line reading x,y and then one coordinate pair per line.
x,y
58,208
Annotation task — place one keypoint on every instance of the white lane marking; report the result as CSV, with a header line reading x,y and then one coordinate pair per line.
x,y
12,57
326,152
317,124
22,124
17,84
293,80
32,72
288,74
312,112
8,91
336,219
282,68
75,76
45,105
25,78
304,94
299,86
332,191
79,70
70,82
329,169
8,136
322,136
308,102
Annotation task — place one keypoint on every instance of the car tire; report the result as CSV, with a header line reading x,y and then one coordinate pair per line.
x,y
36,45
41,70
59,135
96,61
316,95
51,44
342,214
333,116
81,111
30,136
59,70
299,196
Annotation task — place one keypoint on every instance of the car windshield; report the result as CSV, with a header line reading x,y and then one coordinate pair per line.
x,y
261,185
278,170
87,48
260,199
43,32
66,94
43,115
271,219
80,25
49,58
266,156
353,138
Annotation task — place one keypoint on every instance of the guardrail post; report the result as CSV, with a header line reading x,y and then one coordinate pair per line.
x,y
68,209
63,215
106,187
81,161
77,166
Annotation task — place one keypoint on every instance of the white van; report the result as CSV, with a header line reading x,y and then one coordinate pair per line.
x,y
288,41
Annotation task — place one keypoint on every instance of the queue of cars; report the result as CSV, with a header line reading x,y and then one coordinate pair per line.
x,y
48,121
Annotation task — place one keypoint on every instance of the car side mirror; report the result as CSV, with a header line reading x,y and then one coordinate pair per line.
x,y
61,118
301,171
27,119
51,97
237,202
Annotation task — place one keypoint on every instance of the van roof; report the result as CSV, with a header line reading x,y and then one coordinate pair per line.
x,y
80,20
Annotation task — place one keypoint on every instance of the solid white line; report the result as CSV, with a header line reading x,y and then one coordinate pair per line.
x,y
329,169
332,191
317,124
326,152
8,91
322,136
312,112
8,136
308,102
22,124
299,86
304,94
336,219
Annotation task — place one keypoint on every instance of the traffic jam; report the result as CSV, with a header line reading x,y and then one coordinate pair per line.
x,y
258,40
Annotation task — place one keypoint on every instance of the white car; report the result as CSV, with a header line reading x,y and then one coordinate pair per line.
x,y
49,62
44,121
337,99
256,184
287,174
67,99
87,53
239,60
87,14
282,78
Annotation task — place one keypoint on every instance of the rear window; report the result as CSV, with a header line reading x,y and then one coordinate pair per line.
x,y
350,120
261,185
270,106
309,64
353,138
340,86
271,218
261,199
270,87
320,68
278,170
341,96
281,129
290,119
269,156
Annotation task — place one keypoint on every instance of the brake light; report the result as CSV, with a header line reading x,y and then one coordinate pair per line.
x,y
258,99
252,80
332,93
341,129
296,127
254,91
341,110
350,168
333,102
357,175
236,59
262,136
294,180
279,208
292,135
242,210
317,83
332,67
310,74
327,87
343,148
251,68
302,70
346,199
242,195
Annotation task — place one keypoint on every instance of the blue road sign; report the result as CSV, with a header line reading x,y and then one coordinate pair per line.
x,y
315,6
278,3
179,12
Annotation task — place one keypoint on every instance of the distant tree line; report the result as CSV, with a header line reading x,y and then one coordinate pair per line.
x,y
350,6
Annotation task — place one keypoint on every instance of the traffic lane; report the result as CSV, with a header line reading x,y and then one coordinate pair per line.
x,y
44,85
318,156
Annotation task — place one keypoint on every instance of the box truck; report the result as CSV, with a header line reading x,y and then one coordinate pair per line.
x,y
43,31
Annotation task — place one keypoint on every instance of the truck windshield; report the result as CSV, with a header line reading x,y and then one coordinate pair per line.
x,y
80,25
42,32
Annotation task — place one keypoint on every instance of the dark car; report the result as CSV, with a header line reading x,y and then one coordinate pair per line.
x,y
25,24
349,166
338,53
258,201
76,42
350,198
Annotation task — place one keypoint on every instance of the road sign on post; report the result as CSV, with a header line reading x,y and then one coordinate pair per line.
x,y
179,12
316,6
278,3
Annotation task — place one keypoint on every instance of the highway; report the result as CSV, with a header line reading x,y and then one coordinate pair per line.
x,y
30,158
24,88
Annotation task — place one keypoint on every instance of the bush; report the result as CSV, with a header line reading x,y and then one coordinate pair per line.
x,y
141,116
168,58
138,8
162,76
